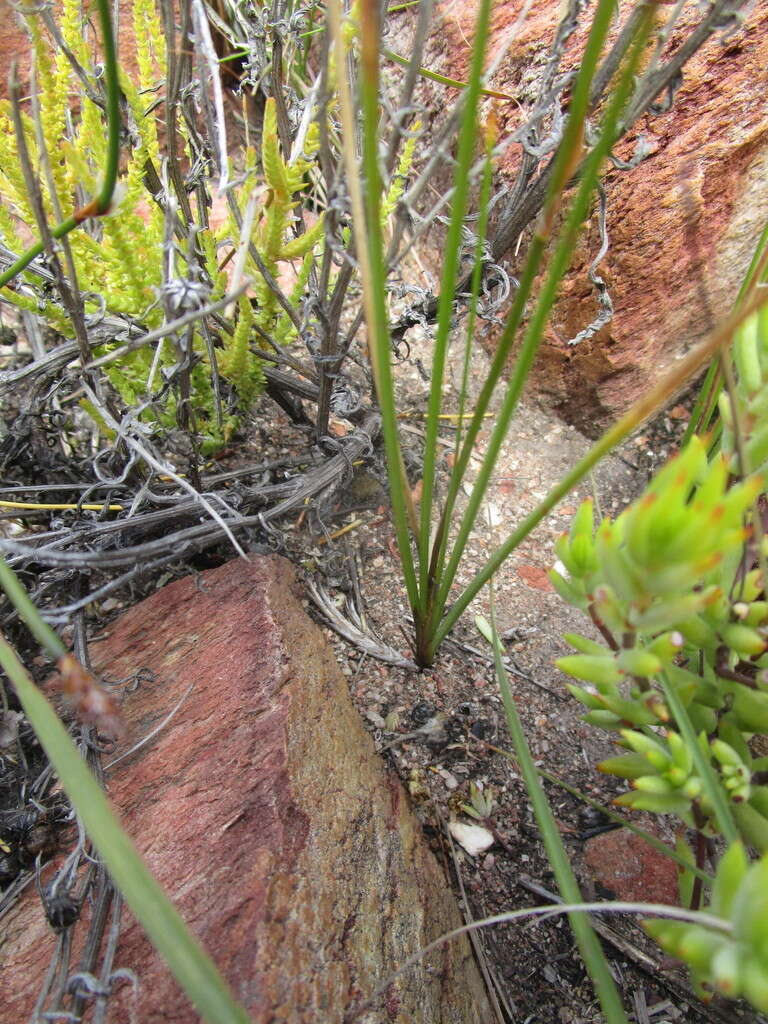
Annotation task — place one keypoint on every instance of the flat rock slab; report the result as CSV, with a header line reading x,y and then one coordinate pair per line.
x,y
264,811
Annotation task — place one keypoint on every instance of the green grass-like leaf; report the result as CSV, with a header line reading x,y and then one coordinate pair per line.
x,y
588,943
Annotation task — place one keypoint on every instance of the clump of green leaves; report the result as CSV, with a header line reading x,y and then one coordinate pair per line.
x,y
733,959
675,586
676,589
666,586
118,264
118,260
136,262
285,181
481,802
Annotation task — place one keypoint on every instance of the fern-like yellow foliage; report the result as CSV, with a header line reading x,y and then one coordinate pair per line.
x,y
119,261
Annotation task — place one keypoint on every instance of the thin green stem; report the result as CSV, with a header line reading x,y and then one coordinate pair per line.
x,y
437,556
402,7
712,787
756,270
559,265
588,942
433,76
368,245
644,407
113,110
534,259
467,139
533,262
100,205
706,400
477,276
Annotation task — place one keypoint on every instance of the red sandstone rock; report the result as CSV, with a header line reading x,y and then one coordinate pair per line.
x,y
266,814
707,169
625,865
15,44
534,576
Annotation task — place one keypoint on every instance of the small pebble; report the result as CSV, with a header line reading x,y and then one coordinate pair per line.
x,y
451,782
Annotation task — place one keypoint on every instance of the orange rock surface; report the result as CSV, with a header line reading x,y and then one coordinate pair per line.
x,y
682,225
265,812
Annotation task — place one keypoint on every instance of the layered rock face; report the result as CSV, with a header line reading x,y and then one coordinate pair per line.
x,y
15,42
266,814
682,225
